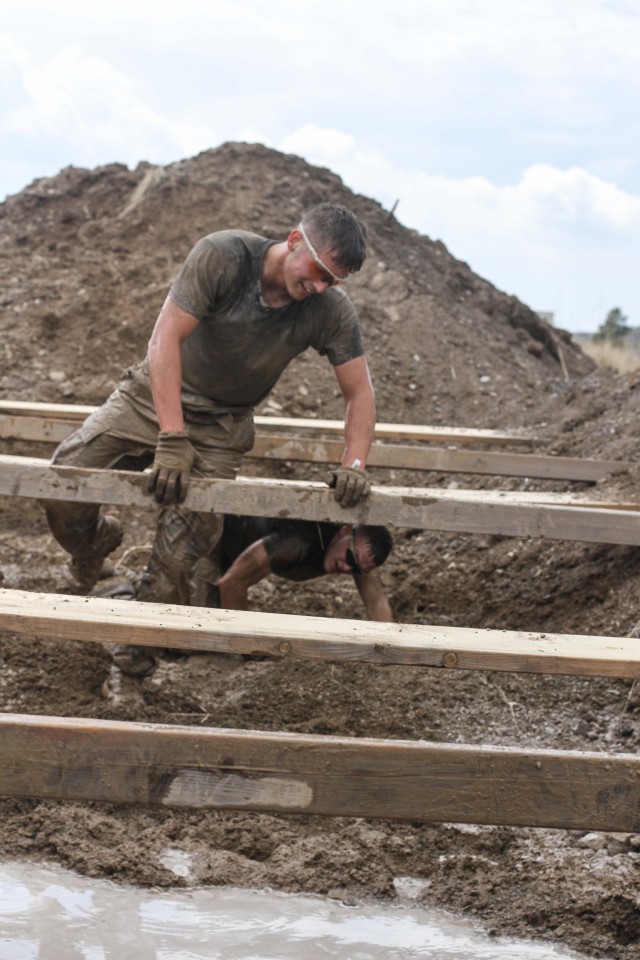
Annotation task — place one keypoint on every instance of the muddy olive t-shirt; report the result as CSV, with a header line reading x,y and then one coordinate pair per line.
x,y
241,346
295,548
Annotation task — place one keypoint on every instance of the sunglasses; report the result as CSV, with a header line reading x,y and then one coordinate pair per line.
x,y
320,271
350,555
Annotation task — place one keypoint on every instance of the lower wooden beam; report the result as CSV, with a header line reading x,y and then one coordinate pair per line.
x,y
96,620
111,762
410,507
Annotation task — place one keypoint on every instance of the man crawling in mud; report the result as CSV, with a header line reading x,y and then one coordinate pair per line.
x,y
252,548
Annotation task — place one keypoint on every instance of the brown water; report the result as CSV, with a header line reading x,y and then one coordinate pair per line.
x,y
51,914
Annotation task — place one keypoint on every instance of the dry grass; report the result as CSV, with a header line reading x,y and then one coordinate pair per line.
x,y
620,358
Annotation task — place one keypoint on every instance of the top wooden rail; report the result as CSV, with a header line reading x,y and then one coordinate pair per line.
x,y
78,412
554,516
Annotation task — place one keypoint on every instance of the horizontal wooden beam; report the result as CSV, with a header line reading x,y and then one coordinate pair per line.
x,y
397,431
409,507
35,429
269,446
59,411
438,459
99,620
117,762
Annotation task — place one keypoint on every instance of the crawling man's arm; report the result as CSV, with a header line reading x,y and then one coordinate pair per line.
x,y
249,568
370,588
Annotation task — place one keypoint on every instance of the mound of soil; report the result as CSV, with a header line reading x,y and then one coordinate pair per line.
x,y
87,258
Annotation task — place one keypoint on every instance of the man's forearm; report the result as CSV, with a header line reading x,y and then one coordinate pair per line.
x,y
359,412
165,364
371,590
233,595
359,426
379,610
165,376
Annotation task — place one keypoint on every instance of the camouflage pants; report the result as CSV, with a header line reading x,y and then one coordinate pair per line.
x,y
123,433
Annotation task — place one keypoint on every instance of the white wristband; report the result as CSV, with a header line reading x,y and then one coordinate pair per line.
x,y
356,464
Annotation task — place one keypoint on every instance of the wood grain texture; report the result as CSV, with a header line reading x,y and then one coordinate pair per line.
x,y
98,620
417,508
407,431
116,762
270,446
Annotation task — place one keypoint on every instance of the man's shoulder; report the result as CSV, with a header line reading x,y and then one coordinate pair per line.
x,y
227,249
234,238
295,549
286,528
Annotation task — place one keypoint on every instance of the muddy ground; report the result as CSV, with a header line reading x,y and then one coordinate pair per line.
x,y
85,261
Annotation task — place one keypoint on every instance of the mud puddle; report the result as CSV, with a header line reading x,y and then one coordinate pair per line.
x,y
52,914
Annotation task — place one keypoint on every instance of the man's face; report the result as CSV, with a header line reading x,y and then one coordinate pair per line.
x,y
304,274
346,546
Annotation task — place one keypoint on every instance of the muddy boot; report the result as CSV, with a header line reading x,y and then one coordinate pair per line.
x,y
86,569
138,662
122,690
114,588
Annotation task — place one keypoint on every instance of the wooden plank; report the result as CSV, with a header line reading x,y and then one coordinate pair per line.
x,y
397,431
35,429
521,497
439,459
410,507
191,767
99,620
61,411
389,455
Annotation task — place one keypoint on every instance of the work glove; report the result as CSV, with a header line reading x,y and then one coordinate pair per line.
x,y
349,485
174,458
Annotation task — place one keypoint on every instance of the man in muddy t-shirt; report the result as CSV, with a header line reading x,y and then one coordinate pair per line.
x,y
252,548
241,308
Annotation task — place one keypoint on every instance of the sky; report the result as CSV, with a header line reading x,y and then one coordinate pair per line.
x,y
507,129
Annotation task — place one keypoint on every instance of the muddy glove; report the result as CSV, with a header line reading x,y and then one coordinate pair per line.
x,y
169,477
349,484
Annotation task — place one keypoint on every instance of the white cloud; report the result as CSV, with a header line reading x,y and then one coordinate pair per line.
x,y
544,196
561,239
80,101
506,128
329,147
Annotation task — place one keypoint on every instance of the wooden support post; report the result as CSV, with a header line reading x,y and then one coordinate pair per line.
x,y
96,620
116,762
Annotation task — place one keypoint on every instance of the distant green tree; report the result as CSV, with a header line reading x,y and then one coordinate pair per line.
x,y
613,328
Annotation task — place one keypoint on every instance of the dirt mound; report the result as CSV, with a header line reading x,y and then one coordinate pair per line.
x,y
87,258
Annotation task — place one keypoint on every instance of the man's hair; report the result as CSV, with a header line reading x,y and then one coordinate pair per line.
x,y
379,540
338,230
